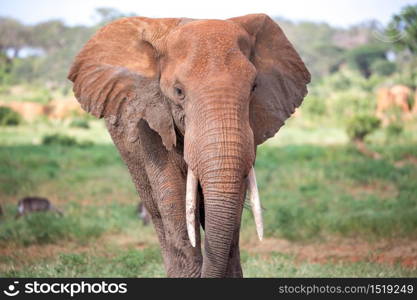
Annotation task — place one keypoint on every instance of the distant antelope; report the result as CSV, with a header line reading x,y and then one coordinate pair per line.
x,y
143,213
35,204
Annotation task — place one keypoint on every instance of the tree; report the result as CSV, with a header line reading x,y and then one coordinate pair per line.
x,y
49,36
108,14
362,57
383,67
358,128
403,29
13,36
314,42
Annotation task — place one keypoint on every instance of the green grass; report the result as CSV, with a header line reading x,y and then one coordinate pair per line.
x,y
79,223
283,265
308,191
115,263
24,168
312,185
118,262
32,133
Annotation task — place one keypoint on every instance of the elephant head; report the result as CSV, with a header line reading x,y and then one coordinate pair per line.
x,y
222,86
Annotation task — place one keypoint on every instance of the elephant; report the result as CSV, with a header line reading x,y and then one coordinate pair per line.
x,y
398,96
414,110
384,102
187,102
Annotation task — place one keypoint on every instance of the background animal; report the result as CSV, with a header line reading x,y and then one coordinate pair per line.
x,y
396,96
143,213
35,204
384,101
187,102
400,95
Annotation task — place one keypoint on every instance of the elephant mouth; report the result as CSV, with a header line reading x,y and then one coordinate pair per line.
x,y
191,204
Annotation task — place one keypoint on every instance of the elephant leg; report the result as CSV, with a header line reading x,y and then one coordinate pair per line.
x,y
181,259
145,193
160,178
132,155
150,200
166,172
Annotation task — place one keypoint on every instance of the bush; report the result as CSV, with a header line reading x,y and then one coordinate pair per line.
x,y
383,67
85,144
9,117
80,123
59,139
360,126
64,140
393,130
41,95
315,106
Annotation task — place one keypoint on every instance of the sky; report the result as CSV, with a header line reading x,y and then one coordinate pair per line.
x,y
342,13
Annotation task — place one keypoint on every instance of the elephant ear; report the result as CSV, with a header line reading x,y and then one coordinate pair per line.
x,y
116,74
282,76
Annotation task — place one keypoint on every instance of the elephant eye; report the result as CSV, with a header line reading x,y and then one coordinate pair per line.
x,y
254,87
179,92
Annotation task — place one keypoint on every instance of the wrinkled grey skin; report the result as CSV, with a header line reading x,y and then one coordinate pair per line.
x,y
150,165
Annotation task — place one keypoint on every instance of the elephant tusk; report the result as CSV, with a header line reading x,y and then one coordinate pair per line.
x,y
190,205
255,203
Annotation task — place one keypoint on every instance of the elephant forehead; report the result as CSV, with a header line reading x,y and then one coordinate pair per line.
x,y
201,47
215,35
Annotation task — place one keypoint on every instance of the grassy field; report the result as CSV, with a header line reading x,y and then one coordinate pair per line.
x,y
329,210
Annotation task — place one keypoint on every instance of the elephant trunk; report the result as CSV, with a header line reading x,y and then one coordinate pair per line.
x,y
220,156
223,190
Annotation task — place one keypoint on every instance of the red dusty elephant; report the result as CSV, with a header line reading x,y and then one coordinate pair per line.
x,y
186,103
396,96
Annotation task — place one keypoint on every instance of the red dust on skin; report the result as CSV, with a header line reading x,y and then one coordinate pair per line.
x,y
178,95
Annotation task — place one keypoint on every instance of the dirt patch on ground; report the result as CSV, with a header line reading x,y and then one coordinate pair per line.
x,y
381,189
391,252
398,251
21,256
27,110
136,241
407,160
24,256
